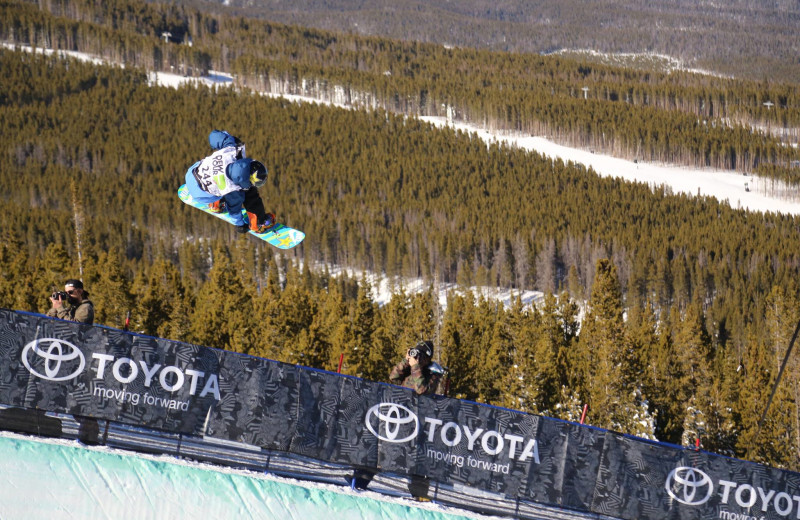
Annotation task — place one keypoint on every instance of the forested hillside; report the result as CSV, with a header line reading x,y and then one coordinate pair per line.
x,y
747,39
677,118
689,303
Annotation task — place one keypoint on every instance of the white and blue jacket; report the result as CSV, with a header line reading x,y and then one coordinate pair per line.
x,y
225,174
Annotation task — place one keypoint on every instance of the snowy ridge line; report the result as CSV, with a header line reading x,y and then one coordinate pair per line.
x,y
669,63
740,191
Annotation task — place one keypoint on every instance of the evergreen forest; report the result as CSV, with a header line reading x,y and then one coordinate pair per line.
x,y
668,315
735,37
675,117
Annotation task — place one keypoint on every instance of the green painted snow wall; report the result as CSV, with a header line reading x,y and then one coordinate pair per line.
x,y
65,480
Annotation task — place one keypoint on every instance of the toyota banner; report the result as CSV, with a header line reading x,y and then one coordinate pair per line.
x,y
94,371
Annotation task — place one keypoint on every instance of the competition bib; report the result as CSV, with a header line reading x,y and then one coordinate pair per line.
x,y
210,174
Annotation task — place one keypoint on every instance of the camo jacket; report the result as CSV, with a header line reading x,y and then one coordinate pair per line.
x,y
422,380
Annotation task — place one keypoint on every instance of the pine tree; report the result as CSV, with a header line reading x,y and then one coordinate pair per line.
x,y
17,289
421,321
776,439
389,338
495,359
297,311
311,347
273,279
363,361
549,346
664,384
521,387
158,300
568,315
192,258
614,402
461,336
270,340
224,315
723,419
53,269
342,339
574,284
331,324
110,291
642,333
568,402
693,347
756,386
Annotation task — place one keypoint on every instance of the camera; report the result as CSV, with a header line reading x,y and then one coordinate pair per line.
x,y
423,348
59,295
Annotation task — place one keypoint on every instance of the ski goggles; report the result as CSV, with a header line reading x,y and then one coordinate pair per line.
x,y
256,181
258,174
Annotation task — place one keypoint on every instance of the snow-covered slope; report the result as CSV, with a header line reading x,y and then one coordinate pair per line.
x,y
45,479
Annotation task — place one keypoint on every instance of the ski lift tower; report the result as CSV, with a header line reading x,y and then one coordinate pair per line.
x,y
585,91
769,105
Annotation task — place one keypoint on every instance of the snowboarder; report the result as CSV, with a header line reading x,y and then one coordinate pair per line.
x,y
228,180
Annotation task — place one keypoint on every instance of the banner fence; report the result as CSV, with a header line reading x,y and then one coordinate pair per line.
x,y
93,371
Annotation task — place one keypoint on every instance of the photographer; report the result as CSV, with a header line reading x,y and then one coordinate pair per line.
x,y
417,371
72,303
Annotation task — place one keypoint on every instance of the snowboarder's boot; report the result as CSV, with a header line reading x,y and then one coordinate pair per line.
x,y
217,207
267,224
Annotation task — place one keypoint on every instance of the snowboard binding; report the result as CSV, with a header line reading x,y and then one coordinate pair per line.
x,y
268,224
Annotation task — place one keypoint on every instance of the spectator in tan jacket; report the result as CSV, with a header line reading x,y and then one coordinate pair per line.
x,y
72,304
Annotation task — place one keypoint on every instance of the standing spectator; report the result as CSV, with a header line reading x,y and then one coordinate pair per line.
x,y
72,304
418,371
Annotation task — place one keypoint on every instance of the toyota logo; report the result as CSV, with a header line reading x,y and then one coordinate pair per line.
x,y
689,486
62,360
396,420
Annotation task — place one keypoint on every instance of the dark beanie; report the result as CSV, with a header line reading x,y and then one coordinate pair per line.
x,y
425,348
75,283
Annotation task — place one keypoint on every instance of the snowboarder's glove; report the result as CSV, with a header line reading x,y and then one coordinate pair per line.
x,y
244,228
240,153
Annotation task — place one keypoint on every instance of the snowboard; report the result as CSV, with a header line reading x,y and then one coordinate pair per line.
x,y
280,235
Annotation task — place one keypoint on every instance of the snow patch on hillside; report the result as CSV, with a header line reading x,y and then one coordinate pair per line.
x,y
385,287
626,59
